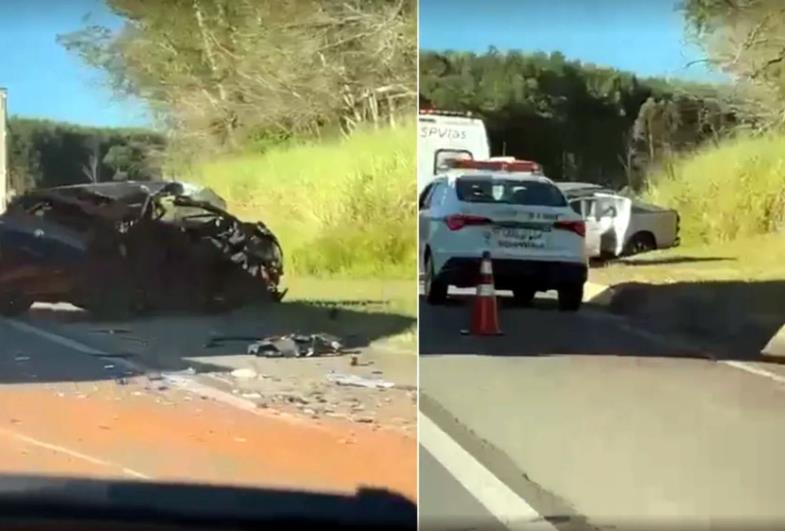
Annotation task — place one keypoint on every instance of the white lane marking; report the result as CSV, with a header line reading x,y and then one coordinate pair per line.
x,y
184,383
505,505
60,340
73,453
743,366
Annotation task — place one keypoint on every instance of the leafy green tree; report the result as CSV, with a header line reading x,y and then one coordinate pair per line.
x,y
218,72
744,39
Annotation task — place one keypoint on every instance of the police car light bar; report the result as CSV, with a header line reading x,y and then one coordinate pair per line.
x,y
495,165
437,112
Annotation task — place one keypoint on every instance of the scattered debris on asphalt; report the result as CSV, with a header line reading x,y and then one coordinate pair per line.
x,y
285,346
173,377
279,347
112,331
358,381
190,371
251,396
244,374
296,346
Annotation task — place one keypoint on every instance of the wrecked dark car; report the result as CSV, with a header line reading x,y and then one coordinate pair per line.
x,y
122,248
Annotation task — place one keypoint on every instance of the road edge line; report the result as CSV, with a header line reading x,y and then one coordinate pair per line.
x,y
74,454
747,367
501,501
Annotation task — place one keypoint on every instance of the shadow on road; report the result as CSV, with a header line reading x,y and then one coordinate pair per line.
x,y
174,342
731,320
671,260
736,318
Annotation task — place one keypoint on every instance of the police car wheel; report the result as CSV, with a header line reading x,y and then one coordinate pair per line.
x,y
435,290
570,297
523,296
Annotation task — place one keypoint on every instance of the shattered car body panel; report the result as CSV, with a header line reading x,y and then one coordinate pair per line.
x,y
132,246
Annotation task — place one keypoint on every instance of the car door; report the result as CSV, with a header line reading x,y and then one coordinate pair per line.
x,y
586,207
614,215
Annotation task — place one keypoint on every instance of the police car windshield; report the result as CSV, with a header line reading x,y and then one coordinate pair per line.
x,y
508,191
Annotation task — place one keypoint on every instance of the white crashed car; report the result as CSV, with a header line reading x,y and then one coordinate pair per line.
x,y
619,226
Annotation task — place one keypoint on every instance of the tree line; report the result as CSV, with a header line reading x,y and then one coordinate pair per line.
x,y
743,38
580,121
43,153
239,74
226,75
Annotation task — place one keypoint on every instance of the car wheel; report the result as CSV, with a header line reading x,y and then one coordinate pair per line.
x,y
435,290
570,297
523,296
641,242
14,305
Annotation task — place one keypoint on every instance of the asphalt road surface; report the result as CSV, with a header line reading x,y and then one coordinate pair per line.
x,y
582,421
71,408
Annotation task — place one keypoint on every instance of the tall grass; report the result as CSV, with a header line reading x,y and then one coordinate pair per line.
x,y
340,208
726,192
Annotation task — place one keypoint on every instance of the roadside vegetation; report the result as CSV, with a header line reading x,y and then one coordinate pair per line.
x,y
345,211
725,284
733,191
344,208
43,153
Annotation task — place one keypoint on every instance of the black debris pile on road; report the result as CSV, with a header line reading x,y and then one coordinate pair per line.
x,y
286,346
296,346
124,247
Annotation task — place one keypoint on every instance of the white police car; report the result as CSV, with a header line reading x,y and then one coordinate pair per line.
x,y
510,209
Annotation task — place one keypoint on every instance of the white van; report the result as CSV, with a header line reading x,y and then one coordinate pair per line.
x,y
446,135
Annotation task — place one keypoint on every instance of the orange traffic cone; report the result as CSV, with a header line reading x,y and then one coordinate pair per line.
x,y
485,315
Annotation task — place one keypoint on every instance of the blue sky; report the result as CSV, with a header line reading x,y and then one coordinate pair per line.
x,y
45,81
641,36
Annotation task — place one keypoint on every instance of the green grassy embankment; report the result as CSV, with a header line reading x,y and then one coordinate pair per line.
x,y
727,193
344,211
727,280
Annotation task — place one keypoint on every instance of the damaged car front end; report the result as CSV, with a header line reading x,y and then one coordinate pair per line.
x,y
128,247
